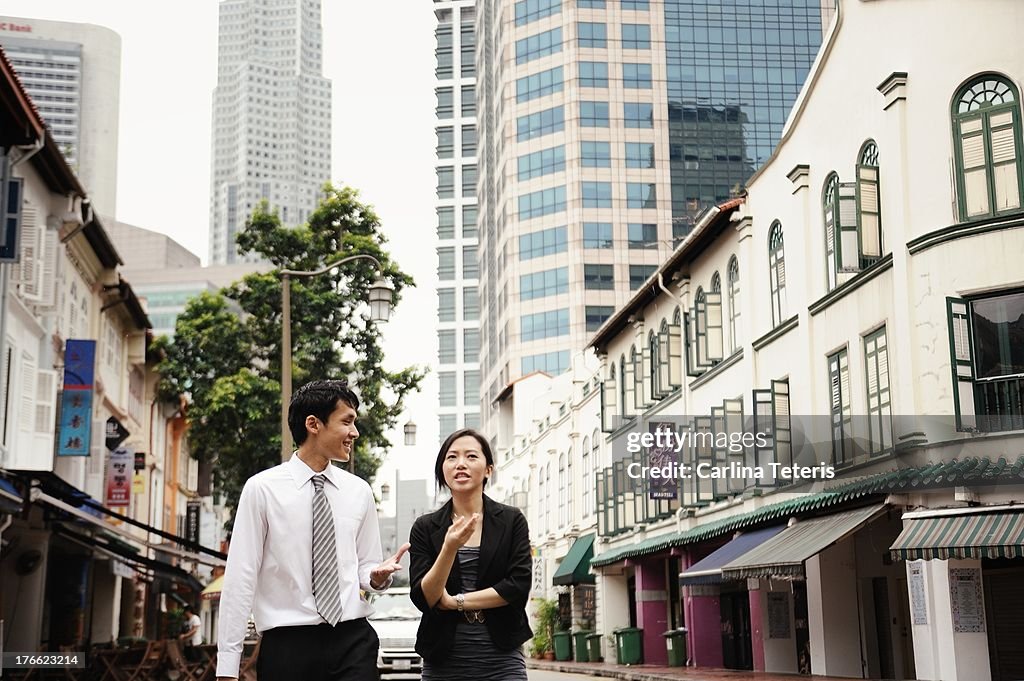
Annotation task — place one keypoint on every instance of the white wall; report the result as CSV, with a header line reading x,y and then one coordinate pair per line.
x,y
940,654
832,611
779,653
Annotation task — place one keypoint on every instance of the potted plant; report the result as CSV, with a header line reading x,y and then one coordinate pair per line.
x,y
541,644
547,621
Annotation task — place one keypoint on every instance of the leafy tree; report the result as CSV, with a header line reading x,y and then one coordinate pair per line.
x,y
229,365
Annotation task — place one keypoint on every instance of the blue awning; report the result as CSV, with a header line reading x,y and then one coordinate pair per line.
x,y
708,570
10,497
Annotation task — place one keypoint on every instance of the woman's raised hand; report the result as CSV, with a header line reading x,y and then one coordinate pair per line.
x,y
461,530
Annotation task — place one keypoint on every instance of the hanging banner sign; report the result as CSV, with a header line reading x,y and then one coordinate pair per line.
x,y
75,431
119,468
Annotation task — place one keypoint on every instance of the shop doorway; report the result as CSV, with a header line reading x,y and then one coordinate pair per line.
x,y
1004,610
801,630
737,652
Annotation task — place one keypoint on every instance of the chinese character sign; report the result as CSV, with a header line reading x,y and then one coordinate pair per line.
x,y
119,474
76,402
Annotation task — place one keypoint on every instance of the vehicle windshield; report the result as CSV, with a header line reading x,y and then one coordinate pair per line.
x,y
393,607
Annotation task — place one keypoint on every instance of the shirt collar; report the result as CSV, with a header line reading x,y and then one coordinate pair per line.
x,y
301,473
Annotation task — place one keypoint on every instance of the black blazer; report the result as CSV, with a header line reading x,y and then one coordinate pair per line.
x,y
505,564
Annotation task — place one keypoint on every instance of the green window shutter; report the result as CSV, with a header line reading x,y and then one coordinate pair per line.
x,y
961,360
733,410
869,215
675,356
831,259
715,340
975,177
692,367
664,369
720,486
782,425
1005,166
700,315
847,244
764,423
876,356
608,412
703,453
839,408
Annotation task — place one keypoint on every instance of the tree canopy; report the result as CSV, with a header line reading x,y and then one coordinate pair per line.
x,y
225,356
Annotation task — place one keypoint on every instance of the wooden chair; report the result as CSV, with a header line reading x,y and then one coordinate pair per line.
x,y
247,672
208,668
176,660
152,659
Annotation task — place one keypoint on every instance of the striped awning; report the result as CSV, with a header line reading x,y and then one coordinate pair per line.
x,y
784,554
976,535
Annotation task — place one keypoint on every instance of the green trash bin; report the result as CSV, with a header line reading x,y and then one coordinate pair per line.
x,y
675,644
563,646
594,647
580,645
629,645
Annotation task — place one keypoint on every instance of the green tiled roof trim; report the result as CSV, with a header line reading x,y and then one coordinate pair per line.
x,y
952,472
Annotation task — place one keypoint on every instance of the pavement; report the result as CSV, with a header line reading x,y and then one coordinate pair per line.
x,y
645,672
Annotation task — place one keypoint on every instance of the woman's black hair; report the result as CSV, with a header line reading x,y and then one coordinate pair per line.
x,y
485,447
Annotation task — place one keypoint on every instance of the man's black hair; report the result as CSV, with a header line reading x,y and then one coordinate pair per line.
x,y
319,399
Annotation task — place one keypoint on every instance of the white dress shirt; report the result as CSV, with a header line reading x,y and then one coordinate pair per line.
x,y
270,561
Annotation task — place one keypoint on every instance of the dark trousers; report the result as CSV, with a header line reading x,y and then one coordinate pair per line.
x,y
319,653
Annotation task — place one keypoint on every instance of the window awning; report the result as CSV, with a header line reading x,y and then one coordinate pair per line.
x,y
117,549
575,567
39,495
998,534
784,554
708,570
10,497
213,589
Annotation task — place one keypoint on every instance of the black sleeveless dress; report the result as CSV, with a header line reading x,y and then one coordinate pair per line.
x,y
474,657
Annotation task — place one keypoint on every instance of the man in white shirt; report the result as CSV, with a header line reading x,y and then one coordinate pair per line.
x,y
191,636
305,541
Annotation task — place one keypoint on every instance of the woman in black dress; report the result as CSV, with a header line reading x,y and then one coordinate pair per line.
x,y
470,572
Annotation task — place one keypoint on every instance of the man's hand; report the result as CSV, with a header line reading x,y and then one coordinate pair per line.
x,y
379,575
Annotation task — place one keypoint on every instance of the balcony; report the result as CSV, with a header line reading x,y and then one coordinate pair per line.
x,y
999,403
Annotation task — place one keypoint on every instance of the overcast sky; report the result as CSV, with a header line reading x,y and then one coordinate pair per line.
x,y
379,55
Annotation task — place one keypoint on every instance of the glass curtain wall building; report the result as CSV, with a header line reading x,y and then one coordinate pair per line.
x,y
605,127
271,117
458,309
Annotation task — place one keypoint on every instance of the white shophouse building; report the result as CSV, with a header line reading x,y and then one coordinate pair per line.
x,y
871,278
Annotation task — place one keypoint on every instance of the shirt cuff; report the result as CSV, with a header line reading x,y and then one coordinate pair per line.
x,y
387,585
228,663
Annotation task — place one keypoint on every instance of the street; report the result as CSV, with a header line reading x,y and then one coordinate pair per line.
x,y
533,674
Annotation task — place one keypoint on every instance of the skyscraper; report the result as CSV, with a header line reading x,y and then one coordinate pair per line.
x,y
271,117
606,126
458,310
72,72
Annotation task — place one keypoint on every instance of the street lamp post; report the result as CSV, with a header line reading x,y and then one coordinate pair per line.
x,y
380,299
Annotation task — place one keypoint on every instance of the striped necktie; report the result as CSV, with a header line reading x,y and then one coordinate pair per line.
x,y
326,589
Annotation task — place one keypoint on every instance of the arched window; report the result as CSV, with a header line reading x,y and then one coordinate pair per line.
x,y
869,207
622,387
585,492
830,210
987,140
777,273
733,278
542,512
595,464
653,351
546,500
568,487
562,491
635,360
